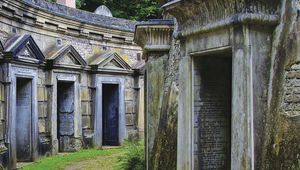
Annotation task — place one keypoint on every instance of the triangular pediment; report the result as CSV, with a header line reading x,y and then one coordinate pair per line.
x,y
24,47
113,64
67,55
111,60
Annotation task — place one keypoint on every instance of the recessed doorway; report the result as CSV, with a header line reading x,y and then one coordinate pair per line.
x,y
212,112
24,141
110,113
65,116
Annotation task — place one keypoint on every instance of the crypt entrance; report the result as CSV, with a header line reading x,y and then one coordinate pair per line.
x,y
24,119
22,57
65,115
110,114
64,92
109,121
212,77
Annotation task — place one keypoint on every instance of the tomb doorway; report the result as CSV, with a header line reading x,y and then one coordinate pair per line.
x,y
212,112
65,116
24,120
110,110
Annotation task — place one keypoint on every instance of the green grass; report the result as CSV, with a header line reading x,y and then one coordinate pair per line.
x,y
59,162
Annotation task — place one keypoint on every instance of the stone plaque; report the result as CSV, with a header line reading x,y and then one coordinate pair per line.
x,y
212,110
66,124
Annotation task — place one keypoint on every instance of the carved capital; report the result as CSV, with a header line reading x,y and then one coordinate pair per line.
x,y
198,16
154,36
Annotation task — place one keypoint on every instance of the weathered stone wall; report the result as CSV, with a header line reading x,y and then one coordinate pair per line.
x,y
282,123
262,38
52,26
44,118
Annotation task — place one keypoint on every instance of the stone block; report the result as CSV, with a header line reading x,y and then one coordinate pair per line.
x,y
290,75
2,128
129,94
129,82
86,122
296,67
42,109
292,98
130,119
42,126
2,111
2,93
129,107
85,95
85,108
41,94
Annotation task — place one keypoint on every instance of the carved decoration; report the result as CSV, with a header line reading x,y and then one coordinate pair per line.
x,y
154,36
66,55
198,15
23,47
110,60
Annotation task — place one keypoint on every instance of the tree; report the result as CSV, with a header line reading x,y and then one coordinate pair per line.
x,y
128,9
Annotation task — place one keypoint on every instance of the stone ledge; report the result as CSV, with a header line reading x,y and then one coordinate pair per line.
x,y
82,16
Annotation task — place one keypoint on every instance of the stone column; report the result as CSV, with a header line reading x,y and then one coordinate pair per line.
x,y
155,39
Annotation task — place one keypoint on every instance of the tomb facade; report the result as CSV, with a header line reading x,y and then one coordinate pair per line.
x,y
59,66
225,85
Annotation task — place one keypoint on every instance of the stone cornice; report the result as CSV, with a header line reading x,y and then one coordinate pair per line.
x,y
35,16
154,36
198,16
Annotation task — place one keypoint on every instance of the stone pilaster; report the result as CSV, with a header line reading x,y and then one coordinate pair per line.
x,y
155,39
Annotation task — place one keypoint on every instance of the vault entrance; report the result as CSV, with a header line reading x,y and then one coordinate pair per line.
x,y
65,116
24,120
110,110
212,112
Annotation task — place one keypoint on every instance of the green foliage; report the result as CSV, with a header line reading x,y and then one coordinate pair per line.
x,y
133,158
129,9
59,162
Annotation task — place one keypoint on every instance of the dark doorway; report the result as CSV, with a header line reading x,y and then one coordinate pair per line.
x,y
24,120
110,112
65,116
212,112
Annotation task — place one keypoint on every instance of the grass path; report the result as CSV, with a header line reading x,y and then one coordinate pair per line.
x,y
91,159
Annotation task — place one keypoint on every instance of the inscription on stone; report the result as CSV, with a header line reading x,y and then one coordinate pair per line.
x,y
212,110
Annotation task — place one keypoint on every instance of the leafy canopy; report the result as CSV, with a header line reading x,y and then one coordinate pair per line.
x,y
128,9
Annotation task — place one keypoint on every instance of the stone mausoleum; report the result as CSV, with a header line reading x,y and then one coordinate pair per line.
x,y
69,79
222,81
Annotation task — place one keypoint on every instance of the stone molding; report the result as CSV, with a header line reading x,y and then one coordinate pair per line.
x,y
154,36
65,20
198,16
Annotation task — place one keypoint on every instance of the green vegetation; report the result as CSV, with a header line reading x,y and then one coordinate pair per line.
x,y
133,158
84,159
128,157
129,9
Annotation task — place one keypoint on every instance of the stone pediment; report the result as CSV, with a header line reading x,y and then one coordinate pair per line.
x,y
110,60
66,55
23,47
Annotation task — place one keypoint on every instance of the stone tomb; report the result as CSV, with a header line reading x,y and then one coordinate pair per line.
x,y
212,112
65,115
24,120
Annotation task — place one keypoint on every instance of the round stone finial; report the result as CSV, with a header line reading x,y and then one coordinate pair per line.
x,y
103,10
